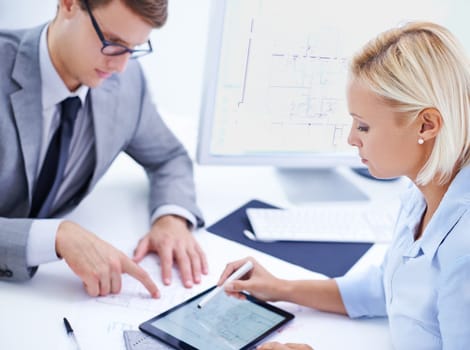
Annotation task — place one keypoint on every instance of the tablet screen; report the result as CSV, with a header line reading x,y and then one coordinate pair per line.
x,y
223,323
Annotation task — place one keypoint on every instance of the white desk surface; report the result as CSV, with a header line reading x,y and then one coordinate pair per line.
x,y
31,313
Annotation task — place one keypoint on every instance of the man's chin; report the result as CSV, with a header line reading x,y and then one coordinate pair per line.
x,y
93,83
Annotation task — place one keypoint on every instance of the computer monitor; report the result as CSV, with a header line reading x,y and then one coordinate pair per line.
x,y
276,76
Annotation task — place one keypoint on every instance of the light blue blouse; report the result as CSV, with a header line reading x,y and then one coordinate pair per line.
x,y
422,286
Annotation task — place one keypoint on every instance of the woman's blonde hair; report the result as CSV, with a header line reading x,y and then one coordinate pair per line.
x,y
422,65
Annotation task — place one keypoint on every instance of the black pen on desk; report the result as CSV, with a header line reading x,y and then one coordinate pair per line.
x,y
71,334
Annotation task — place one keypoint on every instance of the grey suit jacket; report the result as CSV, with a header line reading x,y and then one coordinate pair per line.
x,y
124,119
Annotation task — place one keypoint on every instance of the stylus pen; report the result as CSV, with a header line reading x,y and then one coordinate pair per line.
x,y
71,334
234,276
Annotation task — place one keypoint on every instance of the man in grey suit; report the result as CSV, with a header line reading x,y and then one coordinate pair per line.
x,y
84,55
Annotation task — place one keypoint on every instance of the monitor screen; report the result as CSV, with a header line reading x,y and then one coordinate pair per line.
x,y
276,73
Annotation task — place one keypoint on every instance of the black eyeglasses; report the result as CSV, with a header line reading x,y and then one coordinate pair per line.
x,y
114,49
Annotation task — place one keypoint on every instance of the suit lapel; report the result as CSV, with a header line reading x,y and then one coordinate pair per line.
x,y
26,102
104,104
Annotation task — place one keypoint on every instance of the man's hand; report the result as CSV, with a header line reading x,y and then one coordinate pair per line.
x,y
98,264
171,239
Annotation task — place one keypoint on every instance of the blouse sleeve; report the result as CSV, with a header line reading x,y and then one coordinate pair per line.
x,y
363,293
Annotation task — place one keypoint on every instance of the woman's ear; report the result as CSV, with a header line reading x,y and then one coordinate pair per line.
x,y
431,123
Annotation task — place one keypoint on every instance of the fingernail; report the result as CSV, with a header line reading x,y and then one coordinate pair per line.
x,y
166,281
188,283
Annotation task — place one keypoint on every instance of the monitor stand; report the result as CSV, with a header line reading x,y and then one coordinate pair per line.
x,y
319,184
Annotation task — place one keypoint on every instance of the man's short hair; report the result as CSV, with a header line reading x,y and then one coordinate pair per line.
x,y
154,12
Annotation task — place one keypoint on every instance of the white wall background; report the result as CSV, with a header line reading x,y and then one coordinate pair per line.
x,y
174,70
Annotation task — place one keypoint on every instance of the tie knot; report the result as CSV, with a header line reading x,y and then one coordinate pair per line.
x,y
70,107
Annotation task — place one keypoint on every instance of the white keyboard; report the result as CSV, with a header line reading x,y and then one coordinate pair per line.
x,y
326,223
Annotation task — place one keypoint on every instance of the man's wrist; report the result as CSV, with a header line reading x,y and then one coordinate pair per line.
x,y
170,219
170,209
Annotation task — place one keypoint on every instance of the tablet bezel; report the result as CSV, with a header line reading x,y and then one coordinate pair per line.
x,y
169,339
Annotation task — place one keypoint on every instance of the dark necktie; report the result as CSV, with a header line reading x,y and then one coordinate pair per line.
x,y
53,168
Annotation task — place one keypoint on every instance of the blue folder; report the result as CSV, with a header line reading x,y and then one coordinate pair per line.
x,y
330,259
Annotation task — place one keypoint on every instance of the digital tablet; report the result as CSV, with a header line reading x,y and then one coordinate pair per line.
x,y
223,323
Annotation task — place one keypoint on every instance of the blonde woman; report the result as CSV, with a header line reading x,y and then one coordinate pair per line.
x,y
408,95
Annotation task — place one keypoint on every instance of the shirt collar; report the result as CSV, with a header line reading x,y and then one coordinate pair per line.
x,y
453,205
413,204
54,89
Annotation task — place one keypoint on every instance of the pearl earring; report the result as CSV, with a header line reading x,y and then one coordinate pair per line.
x,y
420,140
